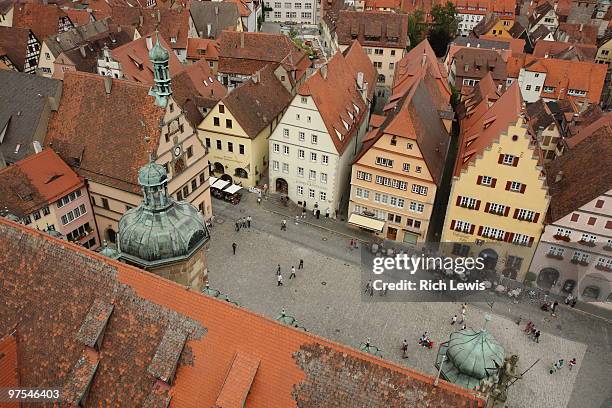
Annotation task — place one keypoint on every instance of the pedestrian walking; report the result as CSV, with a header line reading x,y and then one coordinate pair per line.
x,y
405,348
318,214
303,213
537,336
464,327
454,320
572,363
327,213
244,222
284,225
528,328
370,288
292,275
573,304
278,272
237,226
301,265
234,245
249,221
297,219
279,280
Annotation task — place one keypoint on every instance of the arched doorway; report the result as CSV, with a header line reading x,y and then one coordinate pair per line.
x,y
282,186
111,235
568,286
547,278
218,168
241,173
489,257
227,177
591,292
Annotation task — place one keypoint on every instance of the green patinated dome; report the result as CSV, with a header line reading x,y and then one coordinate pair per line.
x,y
158,53
160,230
108,251
471,356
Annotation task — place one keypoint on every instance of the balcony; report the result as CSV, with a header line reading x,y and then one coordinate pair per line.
x,y
579,262
587,243
561,238
555,256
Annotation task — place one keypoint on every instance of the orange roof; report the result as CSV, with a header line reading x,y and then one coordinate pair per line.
x,y
243,9
202,48
297,368
78,17
35,182
479,131
376,120
516,45
514,65
604,122
135,62
9,375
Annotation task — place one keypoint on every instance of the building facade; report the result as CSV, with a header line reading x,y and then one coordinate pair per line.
x,y
292,11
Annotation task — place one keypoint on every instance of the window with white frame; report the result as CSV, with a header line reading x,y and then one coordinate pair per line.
x,y
304,99
314,139
580,256
312,175
416,207
486,180
325,159
406,167
525,215
302,136
300,172
384,199
515,186
286,132
276,148
508,159
588,238
400,203
313,157
324,178
520,239
494,233
285,167
285,150
275,165
362,193
300,153
498,209
463,226
300,190
604,262
467,202
74,214
311,193
322,195
377,197
563,232
362,175
381,161
421,190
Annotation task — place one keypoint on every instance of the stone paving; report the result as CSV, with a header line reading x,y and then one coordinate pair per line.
x,y
326,299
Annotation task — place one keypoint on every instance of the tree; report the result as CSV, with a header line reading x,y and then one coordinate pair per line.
x,y
417,27
444,27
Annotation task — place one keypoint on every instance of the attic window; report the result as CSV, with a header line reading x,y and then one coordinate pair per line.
x,y
488,122
93,327
17,148
338,134
351,115
356,108
166,358
80,379
53,178
345,124
173,40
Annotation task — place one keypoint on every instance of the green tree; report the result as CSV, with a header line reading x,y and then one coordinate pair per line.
x,y
444,27
417,28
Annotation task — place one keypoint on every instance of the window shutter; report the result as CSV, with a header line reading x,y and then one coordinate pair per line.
x,y
458,200
493,182
508,185
487,206
480,231
508,236
515,162
477,204
501,159
505,237
536,217
530,241
452,224
479,181
506,211
472,228
516,211
523,187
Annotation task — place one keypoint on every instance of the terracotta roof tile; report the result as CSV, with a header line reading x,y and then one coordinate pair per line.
x,y
56,281
238,381
14,44
9,372
42,19
579,33
388,29
171,23
202,48
602,125
565,50
576,188
124,125
78,17
35,182
479,62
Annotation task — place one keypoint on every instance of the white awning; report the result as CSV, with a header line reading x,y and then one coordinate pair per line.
x,y
232,189
212,180
220,184
362,221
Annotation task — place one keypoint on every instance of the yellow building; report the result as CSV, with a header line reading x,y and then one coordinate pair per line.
x,y
498,195
494,26
604,53
395,178
237,129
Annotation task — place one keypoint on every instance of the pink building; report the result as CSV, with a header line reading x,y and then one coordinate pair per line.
x,y
575,251
46,194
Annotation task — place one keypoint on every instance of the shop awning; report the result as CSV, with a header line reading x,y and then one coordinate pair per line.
x,y
212,180
232,189
220,184
371,224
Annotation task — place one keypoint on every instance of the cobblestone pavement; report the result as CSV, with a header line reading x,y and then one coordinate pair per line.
x,y
326,299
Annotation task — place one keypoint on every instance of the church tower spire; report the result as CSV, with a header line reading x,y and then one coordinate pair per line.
x,y
159,57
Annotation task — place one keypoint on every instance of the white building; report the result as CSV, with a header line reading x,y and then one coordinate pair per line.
x,y
292,11
312,148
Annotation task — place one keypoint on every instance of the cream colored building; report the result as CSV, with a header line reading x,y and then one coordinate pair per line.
x,y
604,53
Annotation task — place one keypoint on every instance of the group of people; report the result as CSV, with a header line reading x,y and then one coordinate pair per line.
x,y
462,322
425,341
570,300
279,275
559,364
532,331
243,222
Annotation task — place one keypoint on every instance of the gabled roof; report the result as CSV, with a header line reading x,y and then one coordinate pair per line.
x,y
35,182
603,125
135,62
42,19
486,24
479,131
296,368
23,112
9,373
72,38
373,28
583,179
14,43
539,115
476,63
171,23
220,15
85,57
105,137
418,59
333,88
256,102
578,33
486,90
202,48
565,50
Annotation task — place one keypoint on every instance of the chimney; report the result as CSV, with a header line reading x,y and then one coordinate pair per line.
x,y
82,49
499,87
581,26
359,80
158,16
256,78
574,117
323,71
140,21
149,41
209,29
546,55
108,84
241,39
423,59
559,176
37,146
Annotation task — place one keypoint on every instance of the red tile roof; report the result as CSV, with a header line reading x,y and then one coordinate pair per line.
x,y
78,17
373,28
35,182
565,50
334,91
9,373
238,381
479,131
42,19
135,62
579,33
14,44
105,137
202,48
171,23
56,282
602,125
